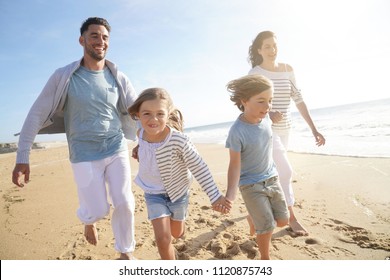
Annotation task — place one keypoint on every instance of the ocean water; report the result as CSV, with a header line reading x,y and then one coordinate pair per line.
x,y
358,130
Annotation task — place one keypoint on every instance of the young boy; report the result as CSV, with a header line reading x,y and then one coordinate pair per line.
x,y
251,167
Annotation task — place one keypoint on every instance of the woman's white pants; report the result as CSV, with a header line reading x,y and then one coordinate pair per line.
x,y
280,146
91,179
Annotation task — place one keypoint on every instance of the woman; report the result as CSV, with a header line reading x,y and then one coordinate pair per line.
x,y
263,57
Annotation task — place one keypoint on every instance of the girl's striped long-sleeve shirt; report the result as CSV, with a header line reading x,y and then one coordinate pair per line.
x,y
177,161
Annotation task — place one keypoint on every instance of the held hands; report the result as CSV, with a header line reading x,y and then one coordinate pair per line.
x,y
222,205
20,170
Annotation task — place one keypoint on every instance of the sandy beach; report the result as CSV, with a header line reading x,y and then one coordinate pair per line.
x,y
344,202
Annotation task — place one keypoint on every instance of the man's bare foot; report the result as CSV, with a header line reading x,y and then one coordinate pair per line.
x,y
127,256
90,233
252,229
297,228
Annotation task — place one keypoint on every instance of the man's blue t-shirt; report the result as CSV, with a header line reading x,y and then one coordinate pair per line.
x,y
92,122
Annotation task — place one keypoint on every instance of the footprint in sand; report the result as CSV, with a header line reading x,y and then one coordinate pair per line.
x,y
73,248
359,236
181,251
10,199
227,245
312,241
251,249
317,249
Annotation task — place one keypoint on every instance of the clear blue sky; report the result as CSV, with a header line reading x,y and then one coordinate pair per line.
x,y
340,50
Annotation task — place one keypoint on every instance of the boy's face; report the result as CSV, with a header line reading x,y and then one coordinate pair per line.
x,y
258,106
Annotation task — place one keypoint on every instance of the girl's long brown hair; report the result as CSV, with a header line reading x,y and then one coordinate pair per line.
x,y
175,117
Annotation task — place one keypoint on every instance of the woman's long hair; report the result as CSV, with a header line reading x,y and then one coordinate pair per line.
x,y
254,57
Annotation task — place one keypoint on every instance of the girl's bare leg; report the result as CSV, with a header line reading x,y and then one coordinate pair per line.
x,y
177,228
162,233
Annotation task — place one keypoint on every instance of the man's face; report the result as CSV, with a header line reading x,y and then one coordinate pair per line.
x,y
95,41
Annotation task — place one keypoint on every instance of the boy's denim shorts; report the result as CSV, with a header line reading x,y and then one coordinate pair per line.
x,y
160,205
265,203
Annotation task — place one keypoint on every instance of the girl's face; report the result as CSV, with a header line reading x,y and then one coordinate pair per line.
x,y
269,49
153,115
258,106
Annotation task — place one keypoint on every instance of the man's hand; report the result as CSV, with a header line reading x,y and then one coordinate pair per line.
x,y
21,170
134,152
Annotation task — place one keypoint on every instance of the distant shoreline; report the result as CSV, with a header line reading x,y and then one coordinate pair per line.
x,y
13,147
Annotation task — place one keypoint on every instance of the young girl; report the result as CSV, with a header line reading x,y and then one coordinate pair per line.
x,y
251,167
167,159
263,57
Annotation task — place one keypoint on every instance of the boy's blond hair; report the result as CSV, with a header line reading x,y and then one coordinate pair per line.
x,y
247,86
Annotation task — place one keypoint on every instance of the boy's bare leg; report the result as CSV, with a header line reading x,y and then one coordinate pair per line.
x,y
90,233
252,229
295,225
264,243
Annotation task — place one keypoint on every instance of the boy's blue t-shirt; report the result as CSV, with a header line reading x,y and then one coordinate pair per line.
x,y
254,142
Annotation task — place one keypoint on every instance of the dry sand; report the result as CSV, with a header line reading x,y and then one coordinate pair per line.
x,y
344,202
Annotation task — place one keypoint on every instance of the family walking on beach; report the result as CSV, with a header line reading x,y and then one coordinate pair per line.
x,y
97,107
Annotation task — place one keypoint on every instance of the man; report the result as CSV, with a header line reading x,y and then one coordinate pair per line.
x,y
88,99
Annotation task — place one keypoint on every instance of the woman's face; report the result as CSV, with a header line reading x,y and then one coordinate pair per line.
x,y
269,49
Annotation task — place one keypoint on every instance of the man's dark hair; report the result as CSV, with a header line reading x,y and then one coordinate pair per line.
x,y
94,20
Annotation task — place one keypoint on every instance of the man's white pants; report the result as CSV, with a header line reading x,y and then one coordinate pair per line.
x,y
91,179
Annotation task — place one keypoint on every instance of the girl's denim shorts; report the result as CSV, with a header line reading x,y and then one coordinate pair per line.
x,y
160,205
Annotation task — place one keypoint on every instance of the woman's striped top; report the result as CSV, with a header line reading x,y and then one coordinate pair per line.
x,y
285,89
